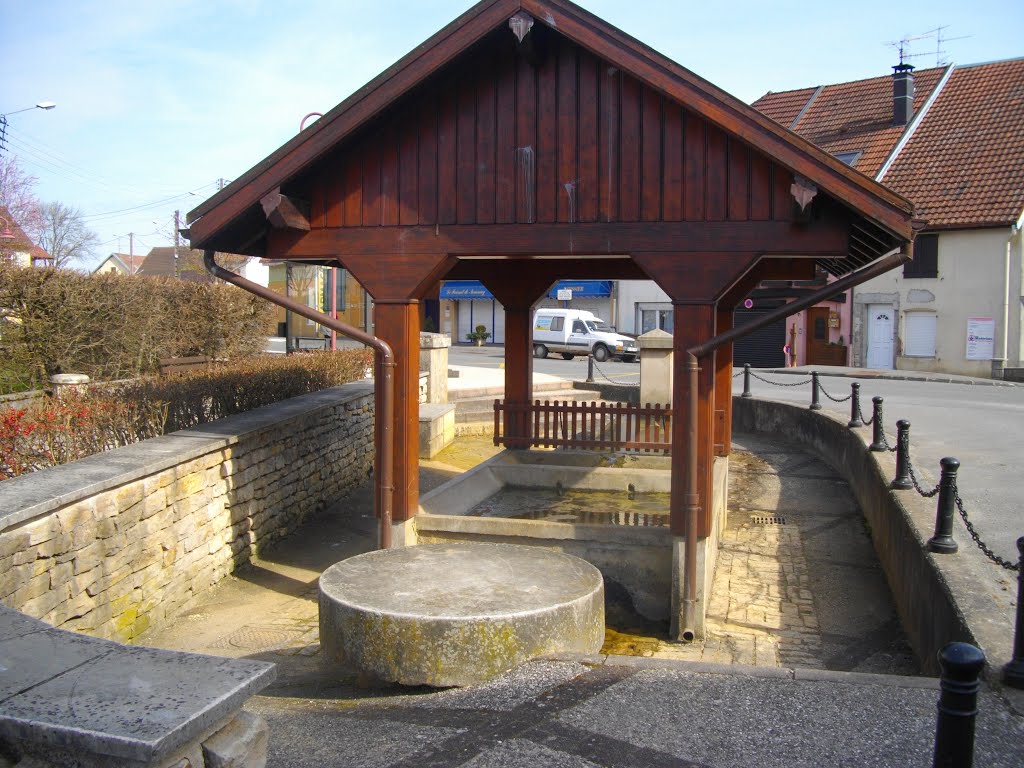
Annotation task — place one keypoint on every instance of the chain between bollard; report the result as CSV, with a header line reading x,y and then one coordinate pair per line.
x,y
779,383
977,539
917,484
1013,672
834,399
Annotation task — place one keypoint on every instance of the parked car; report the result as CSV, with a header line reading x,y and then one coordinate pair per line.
x,y
572,332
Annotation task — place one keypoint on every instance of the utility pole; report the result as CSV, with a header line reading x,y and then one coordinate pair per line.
x,y
220,184
131,253
177,240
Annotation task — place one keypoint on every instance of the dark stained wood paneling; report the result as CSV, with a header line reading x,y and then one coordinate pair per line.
x,y
694,154
739,183
588,156
389,177
629,150
547,139
608,143
428,150
526,142
505,147
672,180
782,198
567,179
447,130
465,152
717,184
371,184
760,187
486,139
650,156
559,137
408,173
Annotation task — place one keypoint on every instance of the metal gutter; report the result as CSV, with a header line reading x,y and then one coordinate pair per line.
x,y
385,379
692,500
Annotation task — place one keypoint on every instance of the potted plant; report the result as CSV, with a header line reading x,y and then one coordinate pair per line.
x,y
479,335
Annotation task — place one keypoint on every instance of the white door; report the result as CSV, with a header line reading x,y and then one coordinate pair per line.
x,y
880,331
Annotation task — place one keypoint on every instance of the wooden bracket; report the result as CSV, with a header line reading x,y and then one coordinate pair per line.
x,y
284,213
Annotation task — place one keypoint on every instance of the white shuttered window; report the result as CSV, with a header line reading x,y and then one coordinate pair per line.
x,y
919,339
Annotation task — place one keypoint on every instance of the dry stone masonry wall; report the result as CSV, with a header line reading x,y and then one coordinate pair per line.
x,y
115,543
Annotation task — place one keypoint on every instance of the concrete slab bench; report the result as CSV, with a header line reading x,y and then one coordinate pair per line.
x,y
72,700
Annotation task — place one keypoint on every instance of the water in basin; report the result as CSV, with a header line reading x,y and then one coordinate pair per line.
x,y
645,510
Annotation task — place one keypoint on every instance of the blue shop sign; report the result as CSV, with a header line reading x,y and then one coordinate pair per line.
x,y
583,289
464,289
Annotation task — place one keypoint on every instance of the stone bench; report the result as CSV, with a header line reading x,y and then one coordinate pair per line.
x,y
70,699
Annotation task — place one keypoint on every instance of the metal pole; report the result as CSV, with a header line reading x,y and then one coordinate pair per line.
x,y
590,369
815,400
961,665
1013,672
902,481
942,541
855,406
877,433
746,380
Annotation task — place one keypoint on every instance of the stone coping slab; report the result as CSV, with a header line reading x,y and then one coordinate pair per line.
x,y
87,695
38,493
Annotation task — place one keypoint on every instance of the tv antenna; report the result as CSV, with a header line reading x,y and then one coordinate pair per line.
x,y
903,45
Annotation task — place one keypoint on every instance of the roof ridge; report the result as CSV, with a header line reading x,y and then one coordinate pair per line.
x,y
987,63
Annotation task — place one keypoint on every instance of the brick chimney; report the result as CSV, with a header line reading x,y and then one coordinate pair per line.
x,y
902,93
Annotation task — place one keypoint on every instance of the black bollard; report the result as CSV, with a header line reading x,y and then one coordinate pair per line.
x,y
815,401
961,665
855,406
590,369
746,380
942,541
902,481
877,433
1013,672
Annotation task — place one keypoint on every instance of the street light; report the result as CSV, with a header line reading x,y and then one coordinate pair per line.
x,y
38,105
44,105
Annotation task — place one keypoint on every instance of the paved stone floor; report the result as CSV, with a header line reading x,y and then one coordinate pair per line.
x,y
797,583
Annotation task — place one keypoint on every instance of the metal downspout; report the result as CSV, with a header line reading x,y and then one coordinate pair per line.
x,y
385,379
692,500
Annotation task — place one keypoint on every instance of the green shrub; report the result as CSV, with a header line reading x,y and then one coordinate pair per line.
x,y
51,431
114,327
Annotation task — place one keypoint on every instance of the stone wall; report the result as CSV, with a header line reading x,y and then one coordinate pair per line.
x,y
114,543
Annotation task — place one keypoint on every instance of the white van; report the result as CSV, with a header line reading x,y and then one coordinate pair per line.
x,y
572,332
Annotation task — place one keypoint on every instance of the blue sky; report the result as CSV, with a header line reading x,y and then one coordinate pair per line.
x,y
158,100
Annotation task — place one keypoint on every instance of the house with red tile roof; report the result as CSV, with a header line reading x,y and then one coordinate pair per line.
x,y
950,139
16,246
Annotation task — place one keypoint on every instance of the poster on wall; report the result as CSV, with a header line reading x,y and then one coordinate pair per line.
x,y
981,333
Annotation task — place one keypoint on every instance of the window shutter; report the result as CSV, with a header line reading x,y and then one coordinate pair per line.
x,y
926,257
919,336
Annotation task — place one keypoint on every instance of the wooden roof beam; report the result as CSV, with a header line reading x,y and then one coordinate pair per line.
x,y
284,212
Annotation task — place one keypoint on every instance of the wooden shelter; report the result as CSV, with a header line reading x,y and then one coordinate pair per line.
x,y
529,141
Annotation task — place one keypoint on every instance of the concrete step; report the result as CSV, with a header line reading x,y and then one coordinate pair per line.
x,y
482,408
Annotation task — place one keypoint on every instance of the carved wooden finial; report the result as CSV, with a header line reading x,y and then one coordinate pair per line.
x,y
521,24
803,192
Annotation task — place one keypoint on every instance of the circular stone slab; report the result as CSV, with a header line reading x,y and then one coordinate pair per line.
x,y
458,614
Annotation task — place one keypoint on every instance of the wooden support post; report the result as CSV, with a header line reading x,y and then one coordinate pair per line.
x,y
398,323
723,385
518,372
693,324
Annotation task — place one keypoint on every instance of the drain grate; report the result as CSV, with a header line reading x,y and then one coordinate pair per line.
x,y
768,520
252,638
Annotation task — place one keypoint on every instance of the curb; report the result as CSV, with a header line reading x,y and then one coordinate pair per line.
x,y
931,377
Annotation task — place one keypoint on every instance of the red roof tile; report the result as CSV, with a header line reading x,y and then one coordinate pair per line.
x,y
964,166
852,117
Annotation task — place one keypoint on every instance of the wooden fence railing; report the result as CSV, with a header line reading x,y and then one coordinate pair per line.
x,y
587,426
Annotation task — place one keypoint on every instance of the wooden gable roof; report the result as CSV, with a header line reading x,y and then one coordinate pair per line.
x,y
666,120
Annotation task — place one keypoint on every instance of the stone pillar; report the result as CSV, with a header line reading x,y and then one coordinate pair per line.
x,y
434,360
655,367
67,382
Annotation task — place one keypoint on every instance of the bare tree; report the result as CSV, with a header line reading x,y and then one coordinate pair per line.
x,y
17,194
64,235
